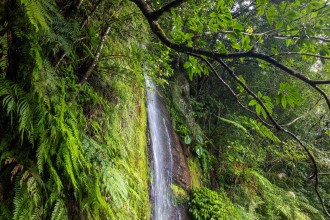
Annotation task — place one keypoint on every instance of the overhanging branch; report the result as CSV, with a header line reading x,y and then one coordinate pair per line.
x,y
229,88
158,31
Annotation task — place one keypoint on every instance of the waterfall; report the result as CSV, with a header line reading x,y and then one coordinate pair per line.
x,y
161,156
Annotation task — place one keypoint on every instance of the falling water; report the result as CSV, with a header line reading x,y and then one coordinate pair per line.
x,y
162,160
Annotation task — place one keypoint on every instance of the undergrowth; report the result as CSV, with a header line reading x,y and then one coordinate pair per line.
x,y
70,150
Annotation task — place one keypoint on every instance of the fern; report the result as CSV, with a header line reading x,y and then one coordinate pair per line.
x,y
4,57
234,123
59,212
37,213
5,212
16,101
259,128
277,202
37,13
22,204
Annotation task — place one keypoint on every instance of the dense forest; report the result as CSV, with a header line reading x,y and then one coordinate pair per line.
x,y
246,83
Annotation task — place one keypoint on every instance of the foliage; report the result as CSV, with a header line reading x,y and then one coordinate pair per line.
x,y
180,195
72,142
70,150
207,204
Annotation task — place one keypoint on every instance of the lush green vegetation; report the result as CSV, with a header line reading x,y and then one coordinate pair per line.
x,y
73,144
247,84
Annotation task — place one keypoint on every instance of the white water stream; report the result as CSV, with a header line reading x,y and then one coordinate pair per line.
x,y
162,159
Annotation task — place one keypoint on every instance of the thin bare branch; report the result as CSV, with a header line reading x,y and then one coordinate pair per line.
x,y
97,56
87,18
294,120
281,36
301,54
80,3
81,27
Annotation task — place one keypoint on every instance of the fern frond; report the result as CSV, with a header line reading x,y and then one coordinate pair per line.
x,y
37,13
15,100
4,57
59,212
37,213
259,128
22,204
238,125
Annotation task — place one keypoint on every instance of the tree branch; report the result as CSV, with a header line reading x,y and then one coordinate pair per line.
x,y
97,56
302,54
229,88
96,6
155,27
280,36
314,175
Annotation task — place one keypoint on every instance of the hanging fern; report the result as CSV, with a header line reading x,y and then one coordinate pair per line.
x,y
259,128
59,211
4,55
17,103
37,13
22,204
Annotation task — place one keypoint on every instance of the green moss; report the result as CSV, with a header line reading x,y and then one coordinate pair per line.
x,y
180,194
195,172
128,132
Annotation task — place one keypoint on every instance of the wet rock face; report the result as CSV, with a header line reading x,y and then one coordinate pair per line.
x,y
181,175
180,93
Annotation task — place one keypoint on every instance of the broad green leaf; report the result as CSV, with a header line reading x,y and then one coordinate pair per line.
x,y
288,42
199,150
253,102
246,42
199,138
187,139
271,14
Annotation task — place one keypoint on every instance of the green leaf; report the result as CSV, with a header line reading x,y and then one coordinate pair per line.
x,y
288,42
246,42
236,46
199,150
284,101
187,139
263,112
271,15
239,87
288,94
199,138
253,102
236,124
258,109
